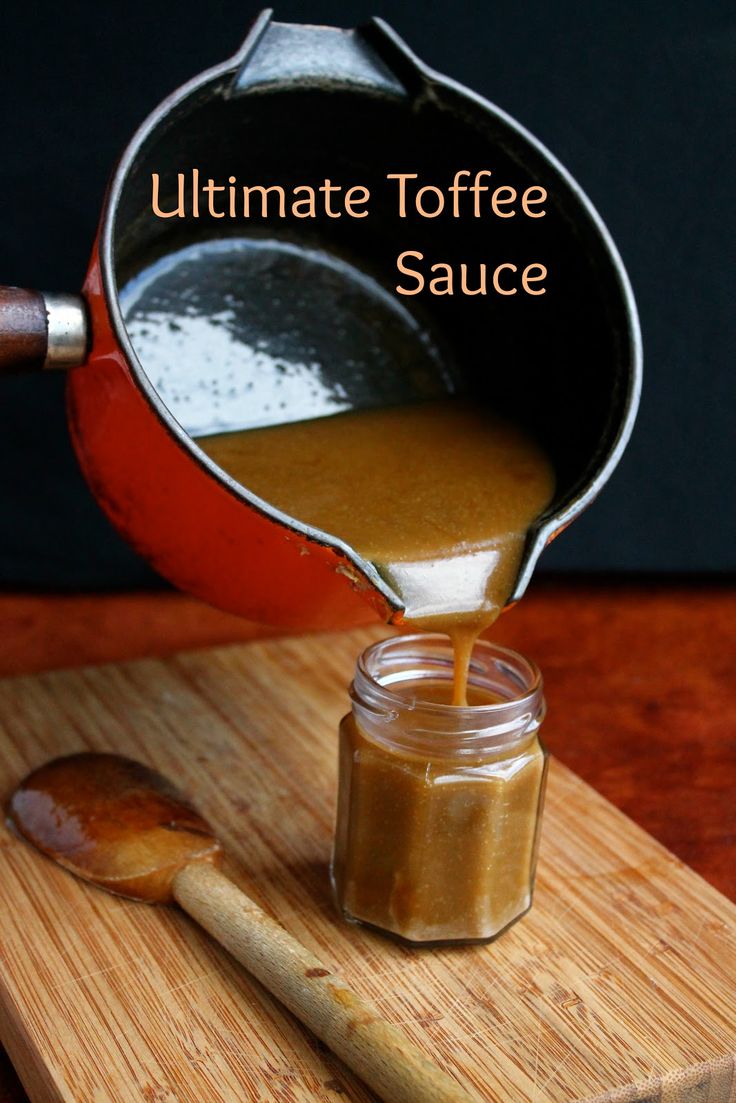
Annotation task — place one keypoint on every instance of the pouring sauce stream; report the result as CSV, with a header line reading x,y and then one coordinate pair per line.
x,y
440,495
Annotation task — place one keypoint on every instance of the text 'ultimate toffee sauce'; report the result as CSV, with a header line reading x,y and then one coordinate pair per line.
x,y
439,495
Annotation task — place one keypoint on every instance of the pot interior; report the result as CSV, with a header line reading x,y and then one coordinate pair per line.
x,y
236,324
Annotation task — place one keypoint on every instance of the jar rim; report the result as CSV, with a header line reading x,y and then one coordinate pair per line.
x,y
425,640
417,725
430,728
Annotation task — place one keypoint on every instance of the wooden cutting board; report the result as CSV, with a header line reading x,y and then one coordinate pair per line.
x,y
619,985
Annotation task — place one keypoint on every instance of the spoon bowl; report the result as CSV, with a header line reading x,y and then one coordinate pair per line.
x,y
114,822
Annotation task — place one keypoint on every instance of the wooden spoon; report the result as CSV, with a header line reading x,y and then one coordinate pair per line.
x,y
124,827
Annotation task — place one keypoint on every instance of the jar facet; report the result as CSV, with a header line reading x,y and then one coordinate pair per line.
x,y
439,806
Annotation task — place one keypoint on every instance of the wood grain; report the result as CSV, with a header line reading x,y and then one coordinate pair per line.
x,y
59,631
23,330
641,683
355,1030
657,656
624,973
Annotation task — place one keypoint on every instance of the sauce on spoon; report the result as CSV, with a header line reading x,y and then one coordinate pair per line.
x,y
114,822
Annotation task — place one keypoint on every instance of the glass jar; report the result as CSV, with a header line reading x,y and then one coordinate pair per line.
x,y
439,806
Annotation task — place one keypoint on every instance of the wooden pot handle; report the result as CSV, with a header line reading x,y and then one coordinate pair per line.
x,y
377,1051
40,331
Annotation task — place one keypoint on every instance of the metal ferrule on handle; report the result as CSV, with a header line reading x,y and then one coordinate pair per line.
x,y
41,331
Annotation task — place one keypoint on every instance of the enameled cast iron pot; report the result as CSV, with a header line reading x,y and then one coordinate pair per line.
x,y
300,103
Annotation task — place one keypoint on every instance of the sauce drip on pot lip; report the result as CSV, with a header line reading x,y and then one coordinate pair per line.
x,y
112,821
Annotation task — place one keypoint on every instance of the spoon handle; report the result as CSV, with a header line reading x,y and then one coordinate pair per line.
x,y
353,1029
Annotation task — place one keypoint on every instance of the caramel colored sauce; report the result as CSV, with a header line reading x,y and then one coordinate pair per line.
x,y
432,852
114,822
439,495
427,691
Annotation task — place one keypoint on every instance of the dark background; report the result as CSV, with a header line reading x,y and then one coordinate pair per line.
x,y
636,99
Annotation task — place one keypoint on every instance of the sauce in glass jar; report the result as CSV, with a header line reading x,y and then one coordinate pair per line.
x,y
439,806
